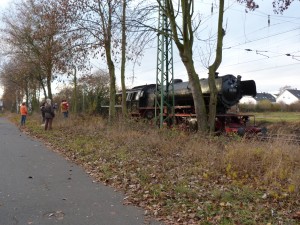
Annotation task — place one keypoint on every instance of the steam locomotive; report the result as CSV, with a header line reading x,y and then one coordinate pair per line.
x,y
141,103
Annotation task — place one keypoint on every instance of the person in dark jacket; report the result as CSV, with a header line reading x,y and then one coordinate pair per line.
x,y
42,107
49,114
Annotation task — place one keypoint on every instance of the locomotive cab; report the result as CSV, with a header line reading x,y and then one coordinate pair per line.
x,y
132,101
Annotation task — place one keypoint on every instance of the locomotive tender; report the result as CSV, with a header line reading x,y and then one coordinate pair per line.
x,y
141,102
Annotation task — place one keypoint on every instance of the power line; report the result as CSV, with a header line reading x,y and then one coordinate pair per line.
x,y
260,29
271,68
262,38
272,17
255,60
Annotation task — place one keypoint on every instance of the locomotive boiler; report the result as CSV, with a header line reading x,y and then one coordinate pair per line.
x,y
230,90
141,99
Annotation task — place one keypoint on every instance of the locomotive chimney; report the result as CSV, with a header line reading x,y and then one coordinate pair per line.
x,y
238,81
216,74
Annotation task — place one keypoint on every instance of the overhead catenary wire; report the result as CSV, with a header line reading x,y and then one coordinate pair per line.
x,y
272,22
268,26
262,38
270,68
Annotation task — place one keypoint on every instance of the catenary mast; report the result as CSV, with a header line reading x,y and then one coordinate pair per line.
x,y
164,98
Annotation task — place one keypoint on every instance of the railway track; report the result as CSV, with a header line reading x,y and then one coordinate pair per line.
x,y
284,138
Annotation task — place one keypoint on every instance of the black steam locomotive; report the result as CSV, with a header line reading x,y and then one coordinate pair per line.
x,y
141,102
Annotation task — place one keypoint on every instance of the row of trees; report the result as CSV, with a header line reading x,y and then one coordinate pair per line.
x,y
48,39
52,39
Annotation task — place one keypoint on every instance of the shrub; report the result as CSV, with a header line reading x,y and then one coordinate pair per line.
x,y
264,105
247,107
295,107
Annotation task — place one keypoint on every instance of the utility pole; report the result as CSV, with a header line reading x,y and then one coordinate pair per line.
x,y
164,97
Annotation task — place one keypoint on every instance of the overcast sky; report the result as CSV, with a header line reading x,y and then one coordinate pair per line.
x,y
267,52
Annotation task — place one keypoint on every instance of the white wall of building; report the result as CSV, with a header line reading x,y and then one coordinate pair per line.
x,y
248,100
287,98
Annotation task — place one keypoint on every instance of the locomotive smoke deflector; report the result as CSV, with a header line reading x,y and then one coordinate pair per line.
x,y
248,87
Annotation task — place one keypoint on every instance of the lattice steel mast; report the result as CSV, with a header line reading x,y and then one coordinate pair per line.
x,y
164,99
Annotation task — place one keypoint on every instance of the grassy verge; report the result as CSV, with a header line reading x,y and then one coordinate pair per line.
x,y
183,178
278,117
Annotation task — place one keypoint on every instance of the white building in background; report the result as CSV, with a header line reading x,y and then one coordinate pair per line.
x,y
289,96
248,100
259,97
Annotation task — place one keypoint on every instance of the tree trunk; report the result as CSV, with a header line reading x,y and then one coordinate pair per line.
x,y
26,92
74,107
49,80
212,99
44,90
184,42
199,102
49,88
198,98
212,71
124,107
43,85
107,29
112,88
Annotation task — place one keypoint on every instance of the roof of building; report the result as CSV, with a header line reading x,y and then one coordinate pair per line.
x,y
295,92
264,96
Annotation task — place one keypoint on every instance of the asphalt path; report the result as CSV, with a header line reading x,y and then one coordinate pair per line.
x,y
39,186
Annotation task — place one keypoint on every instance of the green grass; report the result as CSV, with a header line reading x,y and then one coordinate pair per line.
x,y
274,117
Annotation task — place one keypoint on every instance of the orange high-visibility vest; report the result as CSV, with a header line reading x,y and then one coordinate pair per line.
x,y
23,110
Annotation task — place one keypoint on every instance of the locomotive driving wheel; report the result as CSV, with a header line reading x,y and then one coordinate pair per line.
x,y
149,115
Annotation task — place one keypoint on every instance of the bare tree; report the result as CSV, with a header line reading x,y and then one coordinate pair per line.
x,y
135,37
213,69
183,32
18,80
183,36
123,59
37,30
96,87
282,89
96,19
281,5
104,26
17,34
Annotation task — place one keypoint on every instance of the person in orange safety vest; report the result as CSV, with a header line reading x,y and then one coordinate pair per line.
x,y
24,112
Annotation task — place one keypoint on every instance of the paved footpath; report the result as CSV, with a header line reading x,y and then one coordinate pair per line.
x,y
38,186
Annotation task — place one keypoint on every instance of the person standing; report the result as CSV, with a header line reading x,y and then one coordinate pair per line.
x,y
23,111
42,107
49,114
64,108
